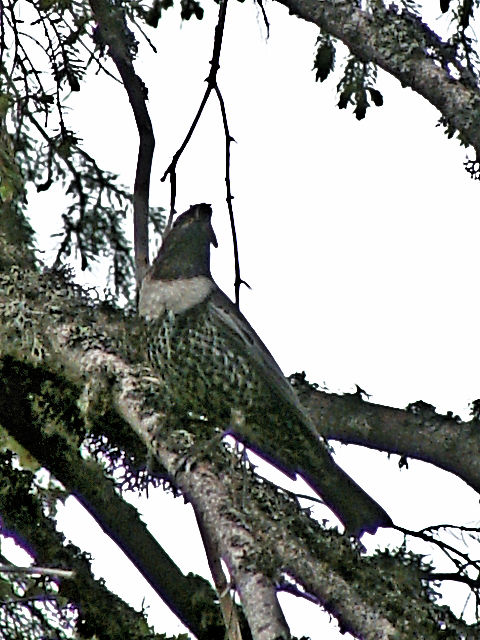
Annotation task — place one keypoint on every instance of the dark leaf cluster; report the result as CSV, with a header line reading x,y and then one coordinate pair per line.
x,y
191,8
357,87
324,61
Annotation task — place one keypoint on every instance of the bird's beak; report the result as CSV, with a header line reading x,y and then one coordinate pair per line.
x,y
213,237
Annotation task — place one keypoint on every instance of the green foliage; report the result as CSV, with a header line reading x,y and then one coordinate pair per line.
x,y
38,147
13,222
451,131
157,219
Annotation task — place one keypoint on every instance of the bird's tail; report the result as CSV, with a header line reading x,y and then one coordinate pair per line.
x,y
358,511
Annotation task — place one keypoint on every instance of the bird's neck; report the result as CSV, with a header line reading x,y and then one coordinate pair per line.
x,y
180,277
183,256
178,295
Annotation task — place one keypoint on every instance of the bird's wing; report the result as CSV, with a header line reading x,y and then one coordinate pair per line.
x,y
241,330
357,510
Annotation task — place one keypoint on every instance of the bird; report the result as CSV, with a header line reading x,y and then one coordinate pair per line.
x,y
216,367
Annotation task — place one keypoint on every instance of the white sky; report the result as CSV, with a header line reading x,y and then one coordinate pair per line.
x,y
359,240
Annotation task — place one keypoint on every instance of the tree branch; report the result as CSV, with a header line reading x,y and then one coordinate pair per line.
x,y
211,84
39,571
417,432
171,170
400,43
24,512
228,142
227,603
114,33
260,532
86,481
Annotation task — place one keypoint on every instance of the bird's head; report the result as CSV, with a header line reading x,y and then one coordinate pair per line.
x,y
185,251
197,220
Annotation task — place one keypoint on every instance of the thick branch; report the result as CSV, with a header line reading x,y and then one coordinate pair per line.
x,y
259,599
23,515
87,482
417,432
211,496
399,44
227,603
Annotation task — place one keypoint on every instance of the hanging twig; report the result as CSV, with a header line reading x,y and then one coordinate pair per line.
x,y
211,84
454,554
228,141
171,170
264,16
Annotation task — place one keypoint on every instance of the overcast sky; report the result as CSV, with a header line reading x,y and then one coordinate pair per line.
x,y
359,239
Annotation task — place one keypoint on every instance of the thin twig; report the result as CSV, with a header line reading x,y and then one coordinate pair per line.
x,y
437,527
171,170
264,15
473,583
211,84
228,141
41,571
447,549
287,587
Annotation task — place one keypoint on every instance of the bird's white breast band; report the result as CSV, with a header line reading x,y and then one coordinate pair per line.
x,y
158,296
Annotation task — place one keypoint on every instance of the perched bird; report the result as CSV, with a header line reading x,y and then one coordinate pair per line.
x,y
215,366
